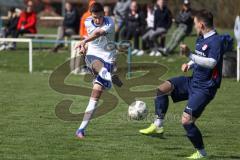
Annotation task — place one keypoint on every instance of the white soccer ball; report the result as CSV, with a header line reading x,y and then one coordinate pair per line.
x,y
137,110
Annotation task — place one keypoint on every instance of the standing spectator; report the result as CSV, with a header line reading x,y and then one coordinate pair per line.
x,y
184,22
162,22
27,21
120,11
70,25
11,28
135,24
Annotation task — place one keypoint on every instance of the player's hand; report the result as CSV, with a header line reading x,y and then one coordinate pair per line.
x,y
185,67
81,47
185,49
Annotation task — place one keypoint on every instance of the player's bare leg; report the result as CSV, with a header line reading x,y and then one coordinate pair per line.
x,y
98,68
161,107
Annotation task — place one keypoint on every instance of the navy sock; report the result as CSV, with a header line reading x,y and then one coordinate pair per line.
x,y
194,135
161,105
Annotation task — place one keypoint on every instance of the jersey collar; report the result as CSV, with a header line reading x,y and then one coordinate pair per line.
x,y
209,34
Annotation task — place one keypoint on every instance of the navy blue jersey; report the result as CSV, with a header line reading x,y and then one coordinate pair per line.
x,y
209,47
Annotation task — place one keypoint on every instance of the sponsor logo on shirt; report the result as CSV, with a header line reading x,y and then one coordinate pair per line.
x,y
200,53
205,46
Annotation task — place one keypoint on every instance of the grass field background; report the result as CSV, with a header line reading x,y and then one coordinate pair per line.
x,y
29,128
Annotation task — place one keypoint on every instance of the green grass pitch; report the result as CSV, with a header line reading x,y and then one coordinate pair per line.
x,y
30,129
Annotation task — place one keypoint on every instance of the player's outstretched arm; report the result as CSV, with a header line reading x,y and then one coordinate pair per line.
x,y
187,66
203,61
96,34
83,44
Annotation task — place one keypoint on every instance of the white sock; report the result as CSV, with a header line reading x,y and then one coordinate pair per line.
x,y
158,122
203,152
105,74
88,113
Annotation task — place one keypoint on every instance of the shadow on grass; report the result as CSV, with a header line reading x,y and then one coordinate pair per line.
x,y
183,135
173,148
224,157
160,136
213,157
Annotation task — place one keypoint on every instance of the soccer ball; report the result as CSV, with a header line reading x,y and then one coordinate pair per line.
x,y
137,110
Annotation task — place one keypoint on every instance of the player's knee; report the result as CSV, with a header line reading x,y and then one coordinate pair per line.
x,y
97,65
97,91
165,88
186,119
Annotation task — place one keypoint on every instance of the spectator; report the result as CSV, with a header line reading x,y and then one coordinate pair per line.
x,y
78,60
108,12
11,28
83,31
75,62
162,22
120,11
135,24
70,25
27,21
146,42
184,22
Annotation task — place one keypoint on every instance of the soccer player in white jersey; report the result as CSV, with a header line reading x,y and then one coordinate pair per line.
x,y
99,58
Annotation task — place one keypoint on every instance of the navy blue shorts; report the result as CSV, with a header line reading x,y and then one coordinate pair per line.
x,y
197,97
109,66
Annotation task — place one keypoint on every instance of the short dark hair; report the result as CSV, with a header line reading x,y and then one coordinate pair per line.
x,y
12,9
96,7
206,17
150,5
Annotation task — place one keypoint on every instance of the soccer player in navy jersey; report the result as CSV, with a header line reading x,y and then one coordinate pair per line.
x,y
199,89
